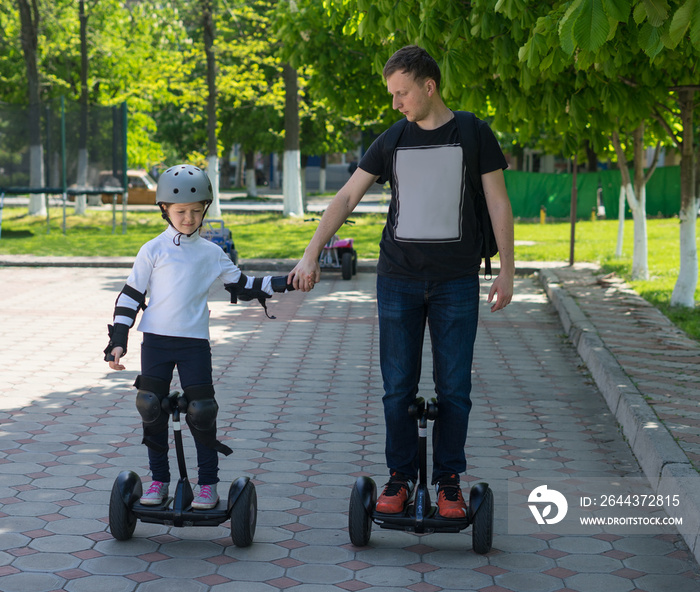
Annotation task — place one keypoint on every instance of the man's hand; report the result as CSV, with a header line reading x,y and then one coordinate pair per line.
x,y
308,271
117,353
502,288
305,274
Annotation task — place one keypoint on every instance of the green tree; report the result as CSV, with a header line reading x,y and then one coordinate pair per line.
x,y
323,131
596,66
668,34
321,38
29,35
293,204
251,108
597,92
208,8
132,57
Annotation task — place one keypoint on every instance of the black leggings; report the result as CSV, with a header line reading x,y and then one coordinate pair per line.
x,y
192,357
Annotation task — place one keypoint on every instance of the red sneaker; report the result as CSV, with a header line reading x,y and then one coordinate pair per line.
x,y
397,491
450,502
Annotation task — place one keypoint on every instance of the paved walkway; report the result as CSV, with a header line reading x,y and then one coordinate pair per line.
x,y
300,404
647,370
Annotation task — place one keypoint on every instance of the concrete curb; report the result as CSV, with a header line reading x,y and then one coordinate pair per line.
x,y
49,261
664,463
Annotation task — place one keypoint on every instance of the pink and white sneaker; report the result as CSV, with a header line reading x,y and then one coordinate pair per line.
x,y
206,499
157,493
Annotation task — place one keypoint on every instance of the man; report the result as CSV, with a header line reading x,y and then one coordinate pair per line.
x,y
427,271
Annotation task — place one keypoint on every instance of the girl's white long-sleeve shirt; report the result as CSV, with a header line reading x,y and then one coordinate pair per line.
x,y
177,278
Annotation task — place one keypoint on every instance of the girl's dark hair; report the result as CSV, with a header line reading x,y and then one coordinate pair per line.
x,y
413,60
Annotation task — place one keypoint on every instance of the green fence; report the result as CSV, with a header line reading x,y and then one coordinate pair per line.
x,y
528,192
61,122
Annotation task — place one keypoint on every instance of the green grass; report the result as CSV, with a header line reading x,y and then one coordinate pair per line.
x,y
596,243
268,235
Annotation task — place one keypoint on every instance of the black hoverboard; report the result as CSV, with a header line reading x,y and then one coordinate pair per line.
x,y
420,516
241,507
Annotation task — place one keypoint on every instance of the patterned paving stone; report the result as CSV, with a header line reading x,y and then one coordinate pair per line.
x,y
301,405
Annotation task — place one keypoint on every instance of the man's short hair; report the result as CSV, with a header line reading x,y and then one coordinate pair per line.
x,y
413,60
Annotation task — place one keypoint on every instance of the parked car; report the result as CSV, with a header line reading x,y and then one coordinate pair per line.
x,y
142,187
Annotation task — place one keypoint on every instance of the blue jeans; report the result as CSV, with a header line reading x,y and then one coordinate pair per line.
x,y
159,356
451,311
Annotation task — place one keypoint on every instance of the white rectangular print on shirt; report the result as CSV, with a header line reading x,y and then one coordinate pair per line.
x,y
429,193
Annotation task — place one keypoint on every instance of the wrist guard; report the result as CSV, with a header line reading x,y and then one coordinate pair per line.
x,y
118,337
279,284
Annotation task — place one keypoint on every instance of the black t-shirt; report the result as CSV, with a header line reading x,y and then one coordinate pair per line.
x,y
431,231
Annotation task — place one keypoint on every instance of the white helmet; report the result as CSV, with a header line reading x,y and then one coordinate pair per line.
x,y
183,183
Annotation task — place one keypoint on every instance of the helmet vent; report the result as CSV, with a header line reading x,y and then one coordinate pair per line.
x,y
176,190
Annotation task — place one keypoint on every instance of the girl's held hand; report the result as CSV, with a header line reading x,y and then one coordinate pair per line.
x,y
114,364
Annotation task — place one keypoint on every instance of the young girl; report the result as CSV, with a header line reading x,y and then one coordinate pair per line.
x,y
176,269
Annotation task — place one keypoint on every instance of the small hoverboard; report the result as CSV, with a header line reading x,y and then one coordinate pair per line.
x,y
124,508
420,516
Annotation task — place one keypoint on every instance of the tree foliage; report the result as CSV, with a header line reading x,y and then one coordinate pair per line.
x,y
555,75
150,54
565,75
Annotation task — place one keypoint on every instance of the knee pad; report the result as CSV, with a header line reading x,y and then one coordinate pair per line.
x,y
202,410
202,414
149,398
149,406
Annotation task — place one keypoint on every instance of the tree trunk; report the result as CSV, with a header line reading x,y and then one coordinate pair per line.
x,y
225,170
636,197
29,17
620,221
572,216
209,33
291,181
240,168
81,200
304,160
322,175
251,185
591,158
214,210
640,253
684,290
697,182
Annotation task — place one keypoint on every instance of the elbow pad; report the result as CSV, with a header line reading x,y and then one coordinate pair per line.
x,y
260,289
125,308
249,288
